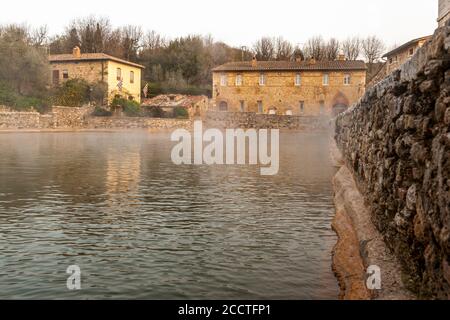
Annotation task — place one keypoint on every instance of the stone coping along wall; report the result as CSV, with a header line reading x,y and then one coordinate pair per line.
x,y
246,120
396,142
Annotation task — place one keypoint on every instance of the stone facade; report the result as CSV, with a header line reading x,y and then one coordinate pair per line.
x,y
403,53
296,88
247,120
98,67
396,142
58,118
137,123
19,120
67,118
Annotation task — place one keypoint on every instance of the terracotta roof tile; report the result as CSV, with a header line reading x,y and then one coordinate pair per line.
x,y
90,57
338,65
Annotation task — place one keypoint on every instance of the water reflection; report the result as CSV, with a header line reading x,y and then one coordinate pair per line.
x,y
141,227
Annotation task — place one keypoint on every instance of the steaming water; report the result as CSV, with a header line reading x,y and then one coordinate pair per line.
x,y
140,227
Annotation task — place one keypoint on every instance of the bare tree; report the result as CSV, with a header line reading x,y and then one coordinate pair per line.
x,y
131,41
39,36
284,49
352,48
372,48
264,49
315,48
332,49
154,41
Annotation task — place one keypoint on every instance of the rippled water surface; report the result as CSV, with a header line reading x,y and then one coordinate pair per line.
x,y
141,227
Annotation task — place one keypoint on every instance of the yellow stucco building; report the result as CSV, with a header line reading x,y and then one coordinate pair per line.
x,y
120,76
288,87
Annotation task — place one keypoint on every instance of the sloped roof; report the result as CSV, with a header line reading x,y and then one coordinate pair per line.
x,y
337,65
90,57
406,45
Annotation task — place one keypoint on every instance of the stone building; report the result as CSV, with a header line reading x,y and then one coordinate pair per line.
x,y
403,53
288,87
444,12
196,106
120,76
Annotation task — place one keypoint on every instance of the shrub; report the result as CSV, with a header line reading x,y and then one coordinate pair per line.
x,y
99,93
10,98
101,112
7,96
154,112
130,107
180,112
72,93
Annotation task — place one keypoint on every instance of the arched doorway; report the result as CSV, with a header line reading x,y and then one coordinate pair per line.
x,y
340,104
339,108
223,106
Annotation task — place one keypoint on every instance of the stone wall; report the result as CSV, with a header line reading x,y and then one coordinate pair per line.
x,y
247,120
137,123
396,141
19,120
69,117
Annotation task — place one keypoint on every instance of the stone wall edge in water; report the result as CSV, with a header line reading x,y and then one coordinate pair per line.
x,y
396,143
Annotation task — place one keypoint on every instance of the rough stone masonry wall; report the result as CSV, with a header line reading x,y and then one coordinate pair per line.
x,y
19,120
68,118
246,120
137,123
396,141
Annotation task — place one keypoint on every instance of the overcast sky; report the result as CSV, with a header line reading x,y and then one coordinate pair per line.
x,y
241,22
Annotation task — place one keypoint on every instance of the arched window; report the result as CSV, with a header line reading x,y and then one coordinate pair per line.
x,y
223,106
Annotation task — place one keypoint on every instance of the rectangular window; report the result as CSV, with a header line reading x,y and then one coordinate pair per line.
x,y
223,80
131,76
411,51
302,107
322,107
119,74
391,60
298,79
55,77
242,102
347,79
260,107
239,80
262,79
65,74
326,79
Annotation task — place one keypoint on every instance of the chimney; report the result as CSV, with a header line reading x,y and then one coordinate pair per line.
x,y
341,57
254,62
76,52
312,61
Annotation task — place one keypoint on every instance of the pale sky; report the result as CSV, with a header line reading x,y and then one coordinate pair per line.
x,y
241,22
